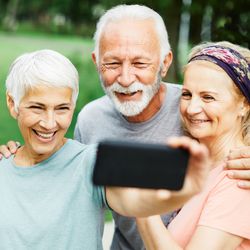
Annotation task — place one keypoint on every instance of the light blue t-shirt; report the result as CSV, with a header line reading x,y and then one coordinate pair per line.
x,y
53,204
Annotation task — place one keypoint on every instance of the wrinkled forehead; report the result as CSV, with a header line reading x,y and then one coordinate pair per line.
x,y
130,36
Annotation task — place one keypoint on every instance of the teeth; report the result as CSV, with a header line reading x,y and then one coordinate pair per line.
x,y
46,136
197,121
127,93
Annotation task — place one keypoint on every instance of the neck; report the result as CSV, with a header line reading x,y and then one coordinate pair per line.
x,y
220,146
26,157
152,108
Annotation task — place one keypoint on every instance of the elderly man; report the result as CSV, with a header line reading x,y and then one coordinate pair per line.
x,y
132,54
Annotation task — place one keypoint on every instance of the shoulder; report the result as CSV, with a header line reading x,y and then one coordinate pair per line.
x,y
94,111
74,150
227,207
173,87
96,106
224,190
5,161
172,98
77,146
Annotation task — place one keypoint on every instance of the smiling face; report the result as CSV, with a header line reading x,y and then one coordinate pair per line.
x,y
43,117
210,107
129,64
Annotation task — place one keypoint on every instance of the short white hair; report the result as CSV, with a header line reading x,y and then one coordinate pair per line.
x,y
133,12
42,67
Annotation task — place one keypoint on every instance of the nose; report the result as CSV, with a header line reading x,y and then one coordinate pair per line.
x,y
194,106
48,120
127,75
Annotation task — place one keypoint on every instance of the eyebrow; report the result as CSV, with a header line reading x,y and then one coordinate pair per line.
x,y
114,57
41,104
202,92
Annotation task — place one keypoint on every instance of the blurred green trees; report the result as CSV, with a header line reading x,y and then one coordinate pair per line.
x,y
67,26
188,21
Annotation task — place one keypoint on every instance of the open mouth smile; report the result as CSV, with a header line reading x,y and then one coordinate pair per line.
x,y
198,121
45,136
128,95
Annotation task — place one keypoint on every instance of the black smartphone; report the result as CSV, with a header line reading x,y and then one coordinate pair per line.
x,y
133,164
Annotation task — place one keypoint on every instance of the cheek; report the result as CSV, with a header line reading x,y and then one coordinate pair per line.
x,y
109,77
27,120
65,121
183,107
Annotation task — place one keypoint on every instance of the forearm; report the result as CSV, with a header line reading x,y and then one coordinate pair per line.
x,y
143,202
146,202
155,235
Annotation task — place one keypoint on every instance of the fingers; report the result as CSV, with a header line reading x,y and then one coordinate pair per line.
x,y
5,151
10,148
13,146
242,152
195,148
243,176
238,158
244,184
163,194
243,163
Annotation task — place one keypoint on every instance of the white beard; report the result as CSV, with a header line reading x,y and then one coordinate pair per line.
x,y
132,108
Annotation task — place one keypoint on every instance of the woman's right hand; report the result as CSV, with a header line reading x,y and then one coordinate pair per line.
x,y
8,149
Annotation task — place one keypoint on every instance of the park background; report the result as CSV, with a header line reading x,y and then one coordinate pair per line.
x,y
67,26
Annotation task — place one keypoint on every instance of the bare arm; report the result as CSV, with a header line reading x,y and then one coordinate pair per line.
x,y
141,202
238,162
157,237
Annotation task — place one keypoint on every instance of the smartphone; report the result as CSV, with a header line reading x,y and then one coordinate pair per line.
x,y
141,165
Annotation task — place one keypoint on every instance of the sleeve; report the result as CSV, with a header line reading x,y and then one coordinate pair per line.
x,y
227,208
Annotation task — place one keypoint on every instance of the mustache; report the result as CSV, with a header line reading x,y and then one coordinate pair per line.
x,y
134,87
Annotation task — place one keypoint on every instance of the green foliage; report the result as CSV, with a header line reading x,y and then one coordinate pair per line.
x,y
231,21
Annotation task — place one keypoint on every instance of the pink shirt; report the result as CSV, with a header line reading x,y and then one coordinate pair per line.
x,y
221,205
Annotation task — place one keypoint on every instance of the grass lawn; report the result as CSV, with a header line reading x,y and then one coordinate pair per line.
x,y
77,49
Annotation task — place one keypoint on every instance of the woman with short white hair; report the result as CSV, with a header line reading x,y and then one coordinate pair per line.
x,y
47,197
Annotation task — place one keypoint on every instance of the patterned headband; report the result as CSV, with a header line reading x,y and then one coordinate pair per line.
x,y
232,62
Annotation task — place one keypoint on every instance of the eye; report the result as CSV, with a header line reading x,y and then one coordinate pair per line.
x,y
35,107
140,65
186,95
208,98
64,108
112,65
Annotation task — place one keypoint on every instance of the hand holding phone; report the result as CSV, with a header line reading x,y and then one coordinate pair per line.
x,y
133,164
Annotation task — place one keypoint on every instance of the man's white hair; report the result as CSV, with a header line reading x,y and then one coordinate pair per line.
x,y
133,12
42,67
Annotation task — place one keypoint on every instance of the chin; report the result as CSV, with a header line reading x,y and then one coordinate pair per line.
x,y
44,150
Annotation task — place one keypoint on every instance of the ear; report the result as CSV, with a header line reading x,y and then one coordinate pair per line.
x,y
94,58
244,108
166,63
11,105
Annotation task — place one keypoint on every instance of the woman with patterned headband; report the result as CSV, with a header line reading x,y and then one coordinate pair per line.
x,y
215,110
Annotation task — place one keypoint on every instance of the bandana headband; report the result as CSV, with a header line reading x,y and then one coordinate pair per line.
x,y
232,62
